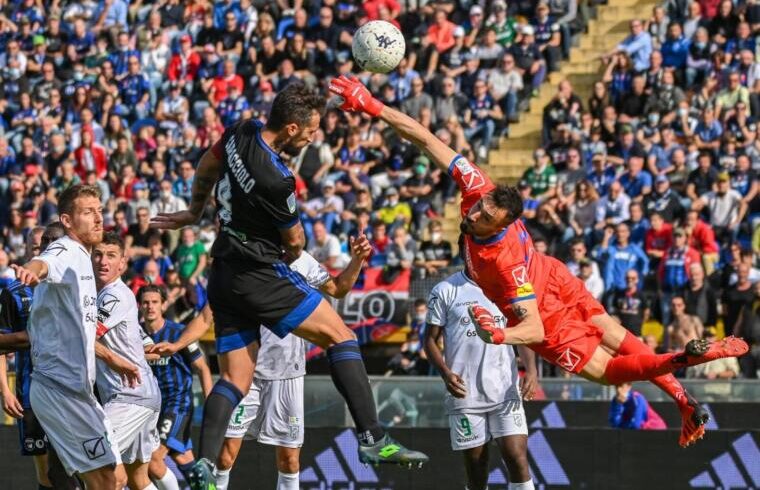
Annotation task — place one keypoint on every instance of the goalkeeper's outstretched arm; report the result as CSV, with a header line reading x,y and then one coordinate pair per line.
x,y
423,139
356,98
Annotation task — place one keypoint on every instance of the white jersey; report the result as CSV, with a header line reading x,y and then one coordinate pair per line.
x,y
489,371
120,331
63,317
286,358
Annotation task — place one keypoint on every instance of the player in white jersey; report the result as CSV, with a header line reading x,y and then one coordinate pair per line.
x,y
272,411
62,327
132,410
483,400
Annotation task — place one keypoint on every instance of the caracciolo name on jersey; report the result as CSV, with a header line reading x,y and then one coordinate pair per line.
x,y
489,371
237,167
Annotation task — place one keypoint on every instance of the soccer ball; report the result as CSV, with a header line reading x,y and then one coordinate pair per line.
x,y
378,46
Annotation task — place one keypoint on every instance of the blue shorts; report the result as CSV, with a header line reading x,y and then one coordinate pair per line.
x,y
174,429
245,295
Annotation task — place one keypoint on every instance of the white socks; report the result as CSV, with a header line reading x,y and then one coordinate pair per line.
x,y
168,481
286,481
527,485
222,479
150,487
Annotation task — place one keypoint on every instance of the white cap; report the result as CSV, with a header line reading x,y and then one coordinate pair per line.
x,y
459,31
528,30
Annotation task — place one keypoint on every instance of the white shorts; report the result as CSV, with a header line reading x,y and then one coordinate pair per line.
x,y
135,430
77,428
271,413
469,430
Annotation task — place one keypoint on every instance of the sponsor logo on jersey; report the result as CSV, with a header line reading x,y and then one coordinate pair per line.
x,y
95,447
108,302
568,360
471,178
292,202
520,275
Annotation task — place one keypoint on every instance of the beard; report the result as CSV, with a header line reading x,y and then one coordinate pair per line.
x,y
289,148
464,227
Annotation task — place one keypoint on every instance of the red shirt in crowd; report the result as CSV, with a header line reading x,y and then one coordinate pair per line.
x,y
442,35
660,240
183,67
90,157
702,238
372,8
709,8
222,86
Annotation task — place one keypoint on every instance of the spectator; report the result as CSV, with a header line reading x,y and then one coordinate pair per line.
x,y
748,327
592,281
435,253
737,297
638,45
630,304
90,155
630,410
684,327
150,275
506,84
620,257
156,254
730,96
720,369
637,182
700,298
190,257
325,247
613,208
529,60
674,269
418,99
675,49
541,177
582,212
664,201
326,209
394,213
658,239
548,36
480,118
701,179
725,206
401,253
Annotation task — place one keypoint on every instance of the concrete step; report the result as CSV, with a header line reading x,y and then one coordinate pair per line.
x,y
511,154
592,55
626,13
528,142
616,27
581,68
601,42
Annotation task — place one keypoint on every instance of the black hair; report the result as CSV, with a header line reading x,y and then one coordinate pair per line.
x,y
420,302
53,232
113,238
508,198
151,288
294,104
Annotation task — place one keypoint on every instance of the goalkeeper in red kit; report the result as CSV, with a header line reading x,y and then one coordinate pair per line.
x,y
547,308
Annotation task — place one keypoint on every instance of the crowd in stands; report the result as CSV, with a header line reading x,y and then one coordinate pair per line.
x,y
648,188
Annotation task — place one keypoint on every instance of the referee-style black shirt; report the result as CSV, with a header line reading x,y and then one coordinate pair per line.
x,y
255,196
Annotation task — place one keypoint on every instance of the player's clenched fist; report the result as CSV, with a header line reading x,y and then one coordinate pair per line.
x,y
25,276
356,97
485,325
455,385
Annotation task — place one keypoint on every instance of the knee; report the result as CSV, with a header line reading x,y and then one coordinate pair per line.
x,y
119,478
339,334
288,461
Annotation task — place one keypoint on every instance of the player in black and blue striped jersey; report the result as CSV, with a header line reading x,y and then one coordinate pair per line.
x,y
175,380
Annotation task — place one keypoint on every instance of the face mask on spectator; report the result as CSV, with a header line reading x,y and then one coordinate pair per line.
x,y
436,236
165,195
14,73
654,119
682,111
78,75
700,45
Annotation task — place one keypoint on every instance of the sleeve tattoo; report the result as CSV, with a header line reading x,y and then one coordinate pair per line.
x,y
520,311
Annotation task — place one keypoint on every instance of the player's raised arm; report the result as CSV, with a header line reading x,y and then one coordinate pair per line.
x,y
192,333
206,175
340,285
358,99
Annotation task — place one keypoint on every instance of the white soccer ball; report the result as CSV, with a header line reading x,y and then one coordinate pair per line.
x,y
378,46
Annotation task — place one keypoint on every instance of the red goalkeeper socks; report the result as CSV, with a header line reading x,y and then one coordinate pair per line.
x,y
668,383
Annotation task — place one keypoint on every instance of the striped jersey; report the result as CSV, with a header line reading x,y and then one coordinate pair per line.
x,y
15,304
175,373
